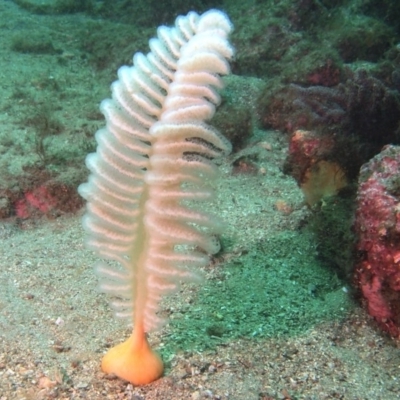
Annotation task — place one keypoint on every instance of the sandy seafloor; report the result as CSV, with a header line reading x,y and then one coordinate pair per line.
x,y
269,321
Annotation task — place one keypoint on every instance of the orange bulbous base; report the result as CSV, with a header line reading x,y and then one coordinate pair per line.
x,y
134,361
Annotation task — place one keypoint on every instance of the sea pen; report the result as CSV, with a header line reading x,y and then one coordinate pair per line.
x,y
152,167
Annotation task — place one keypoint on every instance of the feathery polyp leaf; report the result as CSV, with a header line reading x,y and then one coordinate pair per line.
x,y
153,167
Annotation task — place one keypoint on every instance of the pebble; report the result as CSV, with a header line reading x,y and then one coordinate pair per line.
x,y
196,395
